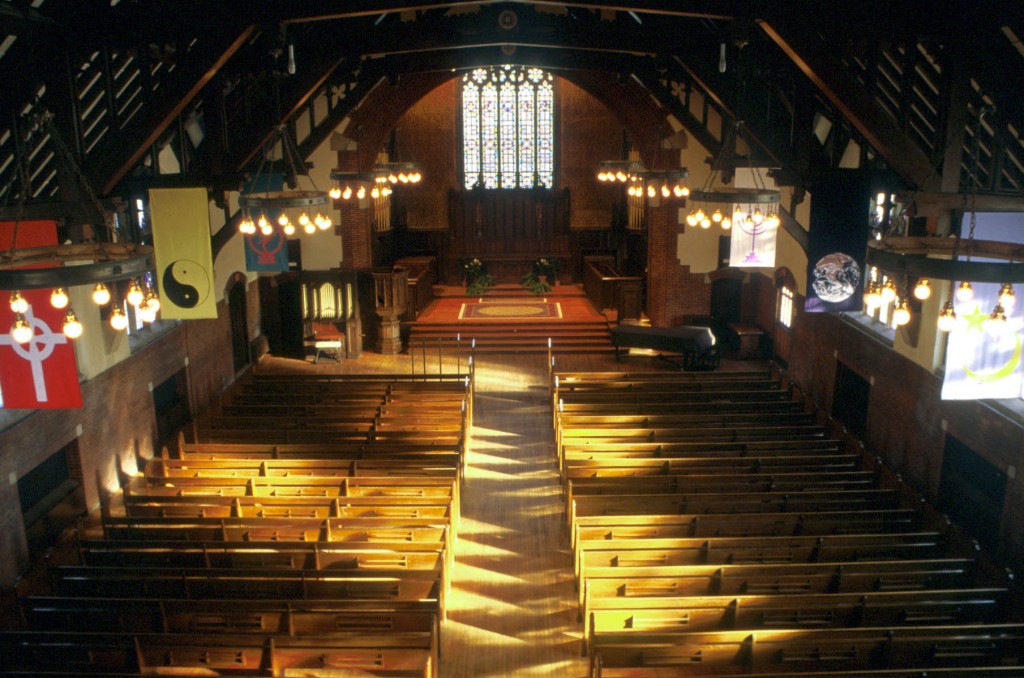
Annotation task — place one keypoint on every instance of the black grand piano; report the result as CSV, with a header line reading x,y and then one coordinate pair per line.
x,y
696,345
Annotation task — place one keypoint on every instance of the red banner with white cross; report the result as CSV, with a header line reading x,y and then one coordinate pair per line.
x,y
42,372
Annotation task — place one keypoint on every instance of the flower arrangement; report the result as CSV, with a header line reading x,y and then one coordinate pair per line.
x,y
477,277
543,276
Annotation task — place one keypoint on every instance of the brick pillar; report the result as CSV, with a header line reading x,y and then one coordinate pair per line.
x,y
673,293
354,220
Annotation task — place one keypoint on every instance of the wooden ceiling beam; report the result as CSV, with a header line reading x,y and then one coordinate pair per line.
x,y
935,204
127,148
313,10
814,58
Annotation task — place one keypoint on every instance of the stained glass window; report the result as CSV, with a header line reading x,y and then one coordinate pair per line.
x,y
508,128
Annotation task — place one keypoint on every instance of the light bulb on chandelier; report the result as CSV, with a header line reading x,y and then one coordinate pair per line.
x,y
18,303
59,298
901,314
72,327
21,330
100,295
118,320
965,292
947,317
1007,297
923,289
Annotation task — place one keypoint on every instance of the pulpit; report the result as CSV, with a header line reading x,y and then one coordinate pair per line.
x,y
390,287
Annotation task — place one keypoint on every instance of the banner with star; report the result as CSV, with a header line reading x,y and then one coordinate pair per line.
x,y
983,358
41,373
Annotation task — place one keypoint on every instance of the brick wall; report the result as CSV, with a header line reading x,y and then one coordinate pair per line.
x,y
673,293
427,135
906,418
116,426
588,133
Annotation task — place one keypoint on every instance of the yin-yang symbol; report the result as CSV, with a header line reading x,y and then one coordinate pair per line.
x,y
185,283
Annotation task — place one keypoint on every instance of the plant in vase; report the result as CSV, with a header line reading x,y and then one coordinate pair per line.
x,y
543,277
477,277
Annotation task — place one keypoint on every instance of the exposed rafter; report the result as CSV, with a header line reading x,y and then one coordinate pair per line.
x,y
124,150
813,57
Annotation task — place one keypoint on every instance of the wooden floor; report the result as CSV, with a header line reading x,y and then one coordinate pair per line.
x,y
512,611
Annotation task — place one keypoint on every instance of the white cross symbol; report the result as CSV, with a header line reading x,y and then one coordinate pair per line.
x,y
32,352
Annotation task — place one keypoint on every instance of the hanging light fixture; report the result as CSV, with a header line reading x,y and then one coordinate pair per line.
x,y
1007,297
621,171
60,267
743,206
267,210
923,289
72,328
947,317
351,185
940,258
666,184
21,330
901,314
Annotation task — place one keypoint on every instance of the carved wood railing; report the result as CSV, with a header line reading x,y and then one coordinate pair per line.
x,y
609,290
422,276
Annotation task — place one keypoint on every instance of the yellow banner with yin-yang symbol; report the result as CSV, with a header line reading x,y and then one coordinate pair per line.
x,y
181,246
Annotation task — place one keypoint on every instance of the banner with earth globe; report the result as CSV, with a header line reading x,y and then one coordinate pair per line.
x,y
837,240
983,358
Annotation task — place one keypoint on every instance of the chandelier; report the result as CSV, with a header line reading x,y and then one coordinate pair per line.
x,y
667,184
61,267
375,184
621,171
925,259
755,209
643,182
267,210
378,183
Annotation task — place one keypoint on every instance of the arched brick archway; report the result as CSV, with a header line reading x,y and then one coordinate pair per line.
x,y
372,121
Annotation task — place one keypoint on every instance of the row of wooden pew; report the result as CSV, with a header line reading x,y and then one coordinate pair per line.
x,y
720,527
307,523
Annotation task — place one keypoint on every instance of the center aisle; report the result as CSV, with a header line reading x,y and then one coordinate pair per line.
x,y
512,608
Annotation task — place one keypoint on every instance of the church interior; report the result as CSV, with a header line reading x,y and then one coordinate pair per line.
x,y
510,338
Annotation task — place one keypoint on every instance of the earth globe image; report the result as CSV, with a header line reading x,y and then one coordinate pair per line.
x,y
836,277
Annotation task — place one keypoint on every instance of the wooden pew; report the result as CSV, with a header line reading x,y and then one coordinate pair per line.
x,y
625,551
709,653
746,524
771,579
738,502
226,615
274,468
618,467
393,654
255,583
795,611
661,376
305,507
719,483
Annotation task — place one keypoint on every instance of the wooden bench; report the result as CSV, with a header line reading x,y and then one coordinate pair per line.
x,y
746,524
630,550
392,654
376,529
709,653
236,582
774,579
794,611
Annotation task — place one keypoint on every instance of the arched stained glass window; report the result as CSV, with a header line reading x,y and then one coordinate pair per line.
x,y
508,128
